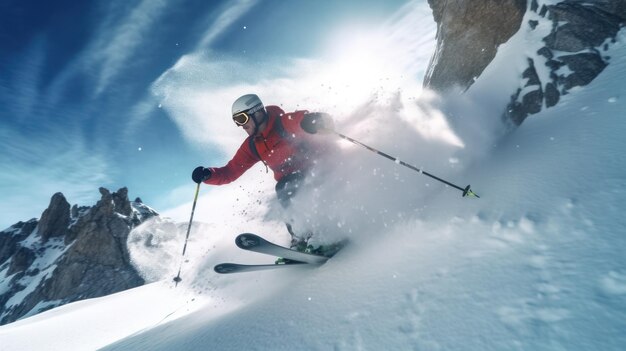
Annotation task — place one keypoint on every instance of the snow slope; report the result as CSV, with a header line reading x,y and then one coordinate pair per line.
x,y
536,264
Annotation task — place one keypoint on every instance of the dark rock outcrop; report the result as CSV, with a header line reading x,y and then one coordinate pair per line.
x,y
580,25
468,35
55,219
10,238
22,259
69,255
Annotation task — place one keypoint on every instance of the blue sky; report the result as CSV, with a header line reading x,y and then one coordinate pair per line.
x,y
78,103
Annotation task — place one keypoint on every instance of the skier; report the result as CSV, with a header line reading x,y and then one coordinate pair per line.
x,y
284,142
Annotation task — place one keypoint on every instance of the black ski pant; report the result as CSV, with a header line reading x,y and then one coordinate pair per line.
x,y
286,189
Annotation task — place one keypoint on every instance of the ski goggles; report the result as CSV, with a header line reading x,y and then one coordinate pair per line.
x,y
242,118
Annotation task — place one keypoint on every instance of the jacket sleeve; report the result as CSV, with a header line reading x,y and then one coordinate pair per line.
x,y
291,122
241,162
304,123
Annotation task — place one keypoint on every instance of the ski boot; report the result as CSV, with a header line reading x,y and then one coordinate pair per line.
x,y
328,250
301,243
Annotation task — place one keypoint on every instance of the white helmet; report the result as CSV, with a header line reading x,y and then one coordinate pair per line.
x,y
247,102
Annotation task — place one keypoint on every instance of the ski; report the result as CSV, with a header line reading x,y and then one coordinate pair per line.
x,y
253,242
227,268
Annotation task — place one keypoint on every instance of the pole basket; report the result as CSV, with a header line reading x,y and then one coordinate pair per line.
x,y
468,192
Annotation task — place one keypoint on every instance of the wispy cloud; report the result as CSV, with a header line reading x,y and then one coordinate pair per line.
x,y
225,20
34,168
19,85
116,43
42,146
219,23
119,33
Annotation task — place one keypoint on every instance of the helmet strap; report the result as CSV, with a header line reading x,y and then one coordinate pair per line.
x,y
257,124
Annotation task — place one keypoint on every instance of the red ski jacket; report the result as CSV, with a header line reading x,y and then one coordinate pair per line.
x,y
283,147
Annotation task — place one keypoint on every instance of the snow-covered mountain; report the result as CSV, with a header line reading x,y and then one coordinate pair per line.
x,y
536,263
69,254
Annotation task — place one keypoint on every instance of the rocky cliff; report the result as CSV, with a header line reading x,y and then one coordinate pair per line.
x,y
70,254
468,36
574,38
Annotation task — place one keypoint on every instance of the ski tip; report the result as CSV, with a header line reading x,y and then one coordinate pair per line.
x,y
247,240
225,268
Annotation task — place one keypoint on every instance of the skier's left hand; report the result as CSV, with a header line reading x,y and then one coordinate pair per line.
x,y
317,122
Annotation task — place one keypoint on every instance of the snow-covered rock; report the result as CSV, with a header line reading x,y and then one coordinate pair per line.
x,y
575,37
567,46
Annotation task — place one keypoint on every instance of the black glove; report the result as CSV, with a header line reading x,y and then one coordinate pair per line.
x,y
200,174
316,122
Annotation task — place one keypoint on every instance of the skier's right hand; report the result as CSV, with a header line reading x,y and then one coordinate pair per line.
x,y
317,122
200,174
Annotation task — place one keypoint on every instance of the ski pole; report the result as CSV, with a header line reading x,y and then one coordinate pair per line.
x,y
177,279
466,191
